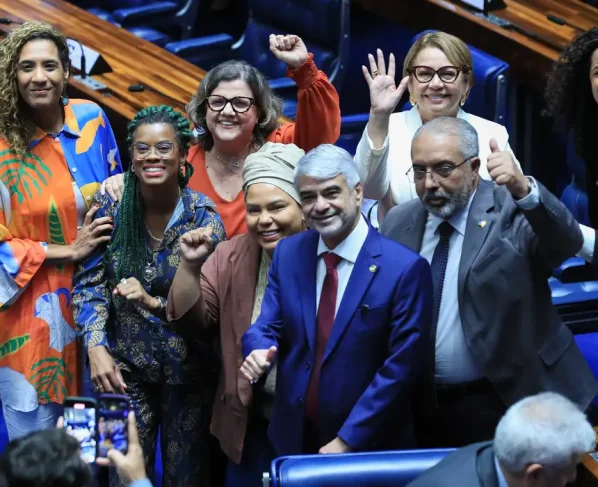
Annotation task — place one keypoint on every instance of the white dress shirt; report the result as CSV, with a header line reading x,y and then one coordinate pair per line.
x,y
384,168
348,249
454,362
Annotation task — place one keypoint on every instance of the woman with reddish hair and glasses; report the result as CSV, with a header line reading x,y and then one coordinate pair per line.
x,y
236,112
438,72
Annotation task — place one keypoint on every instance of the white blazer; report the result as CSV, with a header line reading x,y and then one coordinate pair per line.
x,y
378,175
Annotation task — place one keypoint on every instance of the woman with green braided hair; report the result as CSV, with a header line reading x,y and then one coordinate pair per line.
x,y
120,293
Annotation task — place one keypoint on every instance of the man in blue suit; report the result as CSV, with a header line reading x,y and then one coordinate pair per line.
x,y
346,315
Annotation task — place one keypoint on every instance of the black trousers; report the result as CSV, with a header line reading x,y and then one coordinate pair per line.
x,y
464,414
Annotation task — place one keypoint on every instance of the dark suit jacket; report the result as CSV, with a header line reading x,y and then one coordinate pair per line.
x,y
373,352
509,322
471,466
225,305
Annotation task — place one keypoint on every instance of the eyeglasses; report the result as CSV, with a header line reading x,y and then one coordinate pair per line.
x,y
239,104
439,173
163,150
447,74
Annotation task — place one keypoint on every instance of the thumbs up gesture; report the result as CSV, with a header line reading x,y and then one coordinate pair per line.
x,y
504,171
257,364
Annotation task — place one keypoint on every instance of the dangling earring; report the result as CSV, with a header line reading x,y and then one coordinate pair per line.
x,y
412,100
464,99
64,99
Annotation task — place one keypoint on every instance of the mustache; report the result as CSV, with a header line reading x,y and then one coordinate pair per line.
x,y
436,194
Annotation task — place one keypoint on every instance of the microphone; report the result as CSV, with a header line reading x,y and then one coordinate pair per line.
x,y
7,21
83,73
561,21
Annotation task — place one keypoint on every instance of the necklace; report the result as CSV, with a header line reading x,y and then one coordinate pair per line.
x,y
150,272
234,164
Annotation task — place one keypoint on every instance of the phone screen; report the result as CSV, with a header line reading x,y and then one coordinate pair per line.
x,y
80,422
112,424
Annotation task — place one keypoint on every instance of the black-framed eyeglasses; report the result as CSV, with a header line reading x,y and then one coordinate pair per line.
x,y
239,104
163,150
439,172
447,74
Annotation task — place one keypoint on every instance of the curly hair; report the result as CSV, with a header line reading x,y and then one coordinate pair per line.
x,y
569,100
14,121
129,235
50,458
269,106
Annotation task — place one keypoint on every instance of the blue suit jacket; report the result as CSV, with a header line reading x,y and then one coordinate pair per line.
x,y
375,350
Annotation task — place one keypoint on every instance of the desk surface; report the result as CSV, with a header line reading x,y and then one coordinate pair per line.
x,y
530,60
132,59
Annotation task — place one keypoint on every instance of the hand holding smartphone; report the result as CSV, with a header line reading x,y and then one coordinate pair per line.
x,y
98,426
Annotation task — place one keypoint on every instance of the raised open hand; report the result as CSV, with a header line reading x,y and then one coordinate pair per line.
x,y
384,93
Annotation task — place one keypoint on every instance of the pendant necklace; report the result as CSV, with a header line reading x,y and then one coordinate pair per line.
x,y
234,165
150,272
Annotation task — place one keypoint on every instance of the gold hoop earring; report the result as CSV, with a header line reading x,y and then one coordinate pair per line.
x,y
412,100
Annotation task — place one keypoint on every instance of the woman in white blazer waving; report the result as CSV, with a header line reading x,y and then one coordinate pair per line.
x,y
438,72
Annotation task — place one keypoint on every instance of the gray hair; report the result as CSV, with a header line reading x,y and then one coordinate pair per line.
x,y
469,145
547,429
327,161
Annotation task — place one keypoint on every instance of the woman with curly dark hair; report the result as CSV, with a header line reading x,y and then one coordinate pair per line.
x,y
54,153
235,112
119,299
572,97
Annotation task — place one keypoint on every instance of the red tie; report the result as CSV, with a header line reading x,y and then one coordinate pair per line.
x,y
324,322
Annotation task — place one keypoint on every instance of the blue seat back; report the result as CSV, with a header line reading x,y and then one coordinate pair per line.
x,y
322,24
488,97
374,469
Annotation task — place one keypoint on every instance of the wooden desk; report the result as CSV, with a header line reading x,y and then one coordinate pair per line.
x,y
530,60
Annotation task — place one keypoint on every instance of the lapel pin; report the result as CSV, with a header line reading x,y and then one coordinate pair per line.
x,y
373,268
482,224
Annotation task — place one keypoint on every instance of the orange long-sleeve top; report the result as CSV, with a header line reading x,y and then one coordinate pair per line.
x,y
318,122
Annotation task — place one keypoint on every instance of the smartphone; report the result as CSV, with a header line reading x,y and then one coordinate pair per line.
x,y
113,432
80,422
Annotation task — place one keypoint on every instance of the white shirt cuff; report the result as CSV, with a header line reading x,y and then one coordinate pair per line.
x,y
532,200
589,238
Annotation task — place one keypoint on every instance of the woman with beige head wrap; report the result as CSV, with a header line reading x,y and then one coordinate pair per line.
x,y
225,293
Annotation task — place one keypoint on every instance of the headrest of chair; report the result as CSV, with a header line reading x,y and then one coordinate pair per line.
x,y
391,468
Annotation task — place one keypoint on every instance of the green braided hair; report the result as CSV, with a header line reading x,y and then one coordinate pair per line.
x,y
129,235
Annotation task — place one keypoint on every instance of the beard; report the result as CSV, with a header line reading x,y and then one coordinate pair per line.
x,y
451,203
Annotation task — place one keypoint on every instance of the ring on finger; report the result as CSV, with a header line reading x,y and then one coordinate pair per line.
x,y
123,281
375,73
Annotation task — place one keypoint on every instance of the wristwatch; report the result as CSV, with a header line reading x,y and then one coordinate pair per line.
x,y
161,303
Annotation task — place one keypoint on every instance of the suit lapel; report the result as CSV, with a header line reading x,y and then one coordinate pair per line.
x,y
479,222
412,233
306,285
365,268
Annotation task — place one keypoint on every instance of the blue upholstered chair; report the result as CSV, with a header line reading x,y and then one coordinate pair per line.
x,y
322,24
375,469
488,98
140,16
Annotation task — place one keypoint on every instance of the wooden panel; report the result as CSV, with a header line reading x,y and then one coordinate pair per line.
x,y
530,60
587,473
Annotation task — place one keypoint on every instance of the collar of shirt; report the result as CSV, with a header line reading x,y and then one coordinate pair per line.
x,y
70,127
458,221
502,482
349,248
